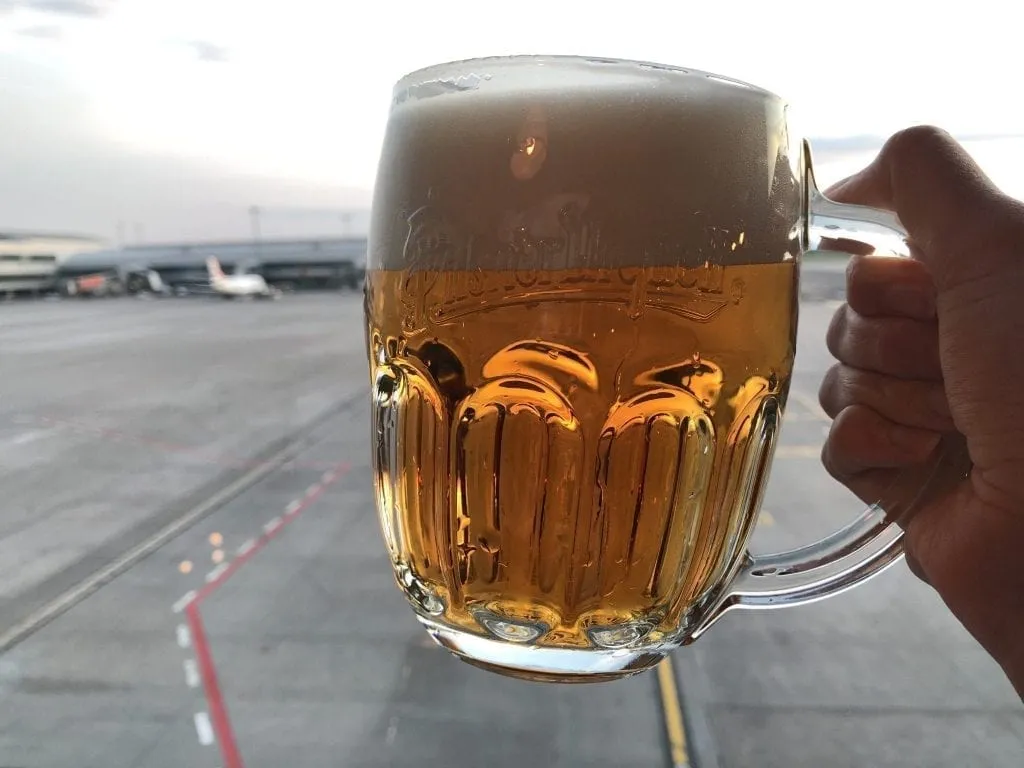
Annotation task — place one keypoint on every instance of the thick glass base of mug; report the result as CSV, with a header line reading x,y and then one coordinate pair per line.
x,y
539,664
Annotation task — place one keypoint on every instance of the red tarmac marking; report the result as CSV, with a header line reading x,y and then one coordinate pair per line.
x,y
219,718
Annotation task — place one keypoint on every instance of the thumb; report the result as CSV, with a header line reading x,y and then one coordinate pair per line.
x,y
961,225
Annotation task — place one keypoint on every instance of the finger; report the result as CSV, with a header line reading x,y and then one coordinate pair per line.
x,y
861,439
886,286
872,485
961,222
894,346
910,402
865,451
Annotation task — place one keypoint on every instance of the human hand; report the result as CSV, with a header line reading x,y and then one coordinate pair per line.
x,y
933,345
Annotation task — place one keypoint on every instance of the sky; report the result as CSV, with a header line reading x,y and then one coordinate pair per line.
x,y
173,117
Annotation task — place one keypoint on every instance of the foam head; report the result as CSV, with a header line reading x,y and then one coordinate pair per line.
x,y
607,162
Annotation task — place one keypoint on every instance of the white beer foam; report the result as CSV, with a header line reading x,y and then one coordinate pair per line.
x,y
516,75
569,162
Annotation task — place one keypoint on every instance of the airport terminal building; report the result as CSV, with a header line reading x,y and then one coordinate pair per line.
x,y
29,260
321,263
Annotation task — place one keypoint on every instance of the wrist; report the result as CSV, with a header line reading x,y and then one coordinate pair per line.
x,y
969,553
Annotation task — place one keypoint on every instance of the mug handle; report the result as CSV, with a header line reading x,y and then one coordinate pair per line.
x,y
873,541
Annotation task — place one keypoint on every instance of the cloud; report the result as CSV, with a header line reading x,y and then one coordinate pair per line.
x,y
207,51
80,8
42,32
62,173
834,147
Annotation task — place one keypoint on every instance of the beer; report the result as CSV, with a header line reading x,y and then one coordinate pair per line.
x,y
554,462
581,312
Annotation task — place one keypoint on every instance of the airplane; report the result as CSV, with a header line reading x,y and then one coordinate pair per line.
x,y
230,286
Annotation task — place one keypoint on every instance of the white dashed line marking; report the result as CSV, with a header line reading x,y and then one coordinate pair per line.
x,y
204,730
184,600
328,476
313,489
272,525
82,589
184,638
389,737
216,572
294,507
191,673
246,548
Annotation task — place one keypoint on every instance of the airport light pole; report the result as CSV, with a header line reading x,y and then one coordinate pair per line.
x,y
254,222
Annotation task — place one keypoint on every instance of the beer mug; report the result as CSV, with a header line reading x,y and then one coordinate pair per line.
x,y
581,308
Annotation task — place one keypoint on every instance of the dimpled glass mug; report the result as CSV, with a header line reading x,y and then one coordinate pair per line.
x,y
581,307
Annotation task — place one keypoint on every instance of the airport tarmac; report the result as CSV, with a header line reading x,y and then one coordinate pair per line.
x,y
192,574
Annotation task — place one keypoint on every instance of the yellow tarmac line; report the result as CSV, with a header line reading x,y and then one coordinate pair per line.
x,y
671,707
673,713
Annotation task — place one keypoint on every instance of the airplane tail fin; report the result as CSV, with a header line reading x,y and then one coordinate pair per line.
x,y
213,266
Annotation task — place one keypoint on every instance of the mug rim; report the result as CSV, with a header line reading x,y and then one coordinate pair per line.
x,y
447,71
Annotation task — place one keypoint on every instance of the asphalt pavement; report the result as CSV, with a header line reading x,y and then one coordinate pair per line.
x,y
117,414
191,574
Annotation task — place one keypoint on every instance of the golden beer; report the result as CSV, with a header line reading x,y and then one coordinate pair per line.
x,y
581,307
564,462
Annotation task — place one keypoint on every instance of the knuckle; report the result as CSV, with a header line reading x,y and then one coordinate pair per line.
x,y
917,140
854,270
827,392
843,455
837,330
833,331
826,458
840,452
861,286
857,430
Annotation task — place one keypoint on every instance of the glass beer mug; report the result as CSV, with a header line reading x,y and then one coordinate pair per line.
x,y
581,307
